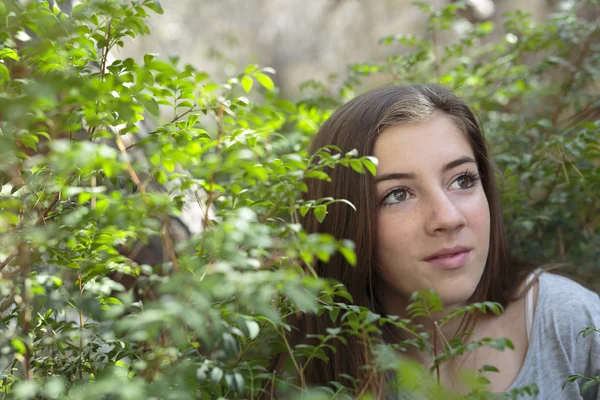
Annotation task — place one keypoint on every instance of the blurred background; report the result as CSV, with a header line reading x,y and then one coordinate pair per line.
x,y
301,40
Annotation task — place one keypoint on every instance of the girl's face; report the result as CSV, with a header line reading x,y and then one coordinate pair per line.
x,y
433,227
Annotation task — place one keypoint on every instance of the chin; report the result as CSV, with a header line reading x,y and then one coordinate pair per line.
x,y
455,299
459,292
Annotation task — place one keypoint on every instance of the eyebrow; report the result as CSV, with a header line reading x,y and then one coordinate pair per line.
x,y
411,175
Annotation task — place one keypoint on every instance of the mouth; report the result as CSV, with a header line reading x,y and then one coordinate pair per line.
x,y
452,258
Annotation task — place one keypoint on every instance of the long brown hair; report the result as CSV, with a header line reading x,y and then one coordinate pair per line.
x,y
357,125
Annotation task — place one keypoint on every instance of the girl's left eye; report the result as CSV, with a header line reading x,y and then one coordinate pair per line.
x,y
466,180
397,196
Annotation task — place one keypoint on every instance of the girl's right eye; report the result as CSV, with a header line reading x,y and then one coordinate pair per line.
x,y
396,196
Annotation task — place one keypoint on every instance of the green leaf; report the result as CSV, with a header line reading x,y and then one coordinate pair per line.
x,y
192,119
342,201
247,83
4,74
260,172
148,58
84,197
265,80
345,295
19,345
489,368
160,177
349,255
216,374
333,331
305,208
370,165
424,6
9,53
587,331
169,165
155,6
586,386
333,314
485,27
371,317
149,104
318,175
320,212
357,165
253,328
287,106
250,68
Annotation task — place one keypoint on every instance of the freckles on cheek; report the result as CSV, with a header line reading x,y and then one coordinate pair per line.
x,y
395,232
479,211
474,205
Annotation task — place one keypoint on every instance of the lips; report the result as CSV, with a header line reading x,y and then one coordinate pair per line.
x,y
448,252
450,258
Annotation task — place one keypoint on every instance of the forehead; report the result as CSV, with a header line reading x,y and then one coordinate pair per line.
x,y
412,147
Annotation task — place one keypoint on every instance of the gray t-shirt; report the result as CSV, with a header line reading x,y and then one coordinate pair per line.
x,y
556,350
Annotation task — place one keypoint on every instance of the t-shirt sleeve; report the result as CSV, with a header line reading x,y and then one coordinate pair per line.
x,y
577,317
588,347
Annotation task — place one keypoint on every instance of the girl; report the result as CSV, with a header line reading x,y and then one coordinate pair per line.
x,y
431,218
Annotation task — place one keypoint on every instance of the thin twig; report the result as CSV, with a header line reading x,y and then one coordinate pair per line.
x,y
81,326
168,242
272,385
103,62
7,260
289,349
435,53
561,243
177,117
25,261
132,173
571,80
272,211
165,235
135,251
93,186
580,115
437,367
41,219
131,146
250,346
210,197
55,199
294,212
106,48
564,157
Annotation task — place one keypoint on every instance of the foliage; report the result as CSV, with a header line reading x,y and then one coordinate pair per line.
x,y
86,180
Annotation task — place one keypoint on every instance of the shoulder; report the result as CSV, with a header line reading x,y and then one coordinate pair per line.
x,y
557,349
566,305
564,293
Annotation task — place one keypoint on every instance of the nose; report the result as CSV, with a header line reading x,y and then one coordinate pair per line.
x,y
443,215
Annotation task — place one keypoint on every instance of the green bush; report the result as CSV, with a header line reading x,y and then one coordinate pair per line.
x,y
84,186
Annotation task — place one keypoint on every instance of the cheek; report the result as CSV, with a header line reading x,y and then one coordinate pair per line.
x,y
478,216
395,236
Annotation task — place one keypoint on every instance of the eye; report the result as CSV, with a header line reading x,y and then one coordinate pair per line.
x,y
466,180
396,196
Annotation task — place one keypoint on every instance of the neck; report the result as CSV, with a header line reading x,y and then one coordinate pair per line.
x,y
393,303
